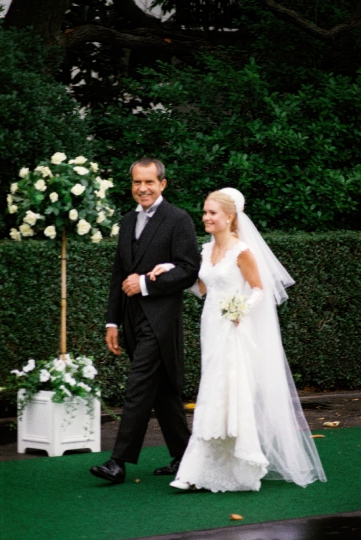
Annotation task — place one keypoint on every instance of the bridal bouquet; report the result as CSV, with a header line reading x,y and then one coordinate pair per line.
x,y
234,307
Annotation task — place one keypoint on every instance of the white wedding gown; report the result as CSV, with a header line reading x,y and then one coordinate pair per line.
x,y
235,442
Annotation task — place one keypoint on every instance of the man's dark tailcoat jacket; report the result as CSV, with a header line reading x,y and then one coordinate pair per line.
x,y
169,236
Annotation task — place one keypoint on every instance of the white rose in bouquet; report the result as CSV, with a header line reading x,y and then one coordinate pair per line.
x,y
57,158
78,189
83,227
73,214
50,231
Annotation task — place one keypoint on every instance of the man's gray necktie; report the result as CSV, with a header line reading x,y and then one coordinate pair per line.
x,y
142,220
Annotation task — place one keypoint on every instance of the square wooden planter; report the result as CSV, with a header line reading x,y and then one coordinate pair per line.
x,y
57,427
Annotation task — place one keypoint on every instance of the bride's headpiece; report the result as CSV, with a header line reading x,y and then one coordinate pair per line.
x,y
274,276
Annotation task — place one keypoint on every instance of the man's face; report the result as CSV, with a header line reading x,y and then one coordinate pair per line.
x,y
146,187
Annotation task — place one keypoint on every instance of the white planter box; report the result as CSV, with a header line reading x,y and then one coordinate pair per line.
x,y
57,427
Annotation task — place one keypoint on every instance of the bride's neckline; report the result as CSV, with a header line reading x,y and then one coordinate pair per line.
x,y
225,253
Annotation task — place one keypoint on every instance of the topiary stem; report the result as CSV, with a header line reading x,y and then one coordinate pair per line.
x,y
63,298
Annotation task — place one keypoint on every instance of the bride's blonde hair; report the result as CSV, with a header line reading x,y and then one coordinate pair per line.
x,y
227,205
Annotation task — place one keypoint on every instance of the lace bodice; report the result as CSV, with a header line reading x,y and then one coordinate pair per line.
x,y
224,277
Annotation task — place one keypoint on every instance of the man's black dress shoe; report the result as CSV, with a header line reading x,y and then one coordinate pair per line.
x,y
110,470
170,469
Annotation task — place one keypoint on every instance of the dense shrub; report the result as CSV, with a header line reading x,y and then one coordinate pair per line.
x,y
321,327
37,115
296,156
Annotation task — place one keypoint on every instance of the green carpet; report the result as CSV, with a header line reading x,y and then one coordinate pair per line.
x,y
57,499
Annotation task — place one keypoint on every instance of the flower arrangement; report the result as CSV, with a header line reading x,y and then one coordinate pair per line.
x,y
234,307
61,195
69,378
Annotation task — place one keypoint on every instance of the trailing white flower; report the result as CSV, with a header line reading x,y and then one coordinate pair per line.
x,y
14,186
115,230
69,379
104,184
44,375
96,237
15,235
85,386
80,160
18,373
45,171
81,170
89,372
57,158
101,217
110,211
73,214
23,172
13,209
31,218
94,166
78,189
84,360
100,193
59,365
65,390
29,366
9,199
83,227
40,185
50,231
26,230
53,196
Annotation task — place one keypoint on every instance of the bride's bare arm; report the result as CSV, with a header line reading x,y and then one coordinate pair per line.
x,y
248,266
202,287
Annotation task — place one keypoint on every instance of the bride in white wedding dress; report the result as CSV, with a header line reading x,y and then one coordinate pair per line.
x,y
248,422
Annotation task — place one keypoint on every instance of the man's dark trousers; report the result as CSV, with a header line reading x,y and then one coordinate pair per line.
x,y
148,386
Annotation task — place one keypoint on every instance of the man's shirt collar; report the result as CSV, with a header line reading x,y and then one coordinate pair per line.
x,y
151,210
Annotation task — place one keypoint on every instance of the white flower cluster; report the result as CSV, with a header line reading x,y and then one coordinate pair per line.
x,y
233,307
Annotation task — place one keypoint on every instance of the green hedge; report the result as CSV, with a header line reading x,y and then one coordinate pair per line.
x,y
321,326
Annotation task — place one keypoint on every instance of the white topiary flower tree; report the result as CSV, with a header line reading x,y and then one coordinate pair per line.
x,y
62,199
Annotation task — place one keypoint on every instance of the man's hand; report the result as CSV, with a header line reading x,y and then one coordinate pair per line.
x,y
112,340
131,285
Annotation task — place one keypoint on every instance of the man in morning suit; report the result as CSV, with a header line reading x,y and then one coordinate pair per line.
x,y
150,313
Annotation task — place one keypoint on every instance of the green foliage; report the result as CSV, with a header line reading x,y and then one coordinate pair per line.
x,y
295,156
37,115
321,327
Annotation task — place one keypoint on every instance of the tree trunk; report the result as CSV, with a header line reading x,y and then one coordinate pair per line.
x,y
63,298
45,16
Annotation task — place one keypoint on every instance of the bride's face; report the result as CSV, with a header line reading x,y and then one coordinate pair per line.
x,y
215,218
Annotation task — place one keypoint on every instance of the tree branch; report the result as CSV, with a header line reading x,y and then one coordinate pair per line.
x,y
139,38
312,28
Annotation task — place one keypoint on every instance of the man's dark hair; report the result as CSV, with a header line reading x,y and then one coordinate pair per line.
x,y
145,161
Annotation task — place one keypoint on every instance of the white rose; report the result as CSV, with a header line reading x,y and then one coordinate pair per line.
x,y
9,199
115,230
101,217
26,230
40,185
94,166
23,172
80,160
78,189
104,184
85,386
50,231
13,208
73,214
110,211
14,186
44,375
100,193
15,235
57,158
69,379
83,227
45,171
31,217
81,170
29,366
54,196
89,372
97,236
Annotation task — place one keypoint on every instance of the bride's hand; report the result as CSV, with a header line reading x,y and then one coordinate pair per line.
x,y
157,271
236,323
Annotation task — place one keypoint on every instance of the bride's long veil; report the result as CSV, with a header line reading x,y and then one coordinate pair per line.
x,y
284,433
